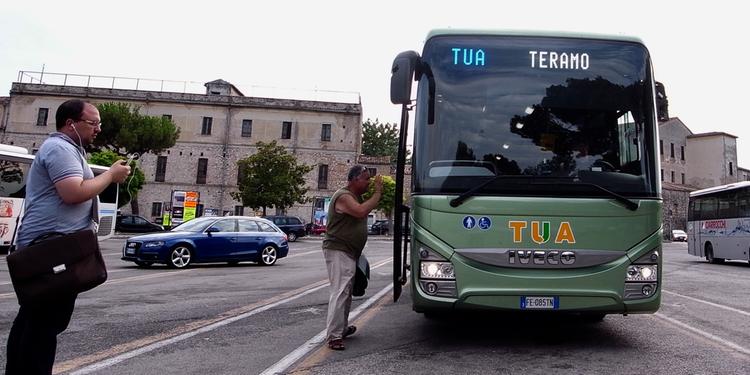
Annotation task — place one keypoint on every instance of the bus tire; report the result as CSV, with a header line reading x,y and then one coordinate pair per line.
x,y
710,255
593,317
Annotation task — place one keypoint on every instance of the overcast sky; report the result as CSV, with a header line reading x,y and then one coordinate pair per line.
x,y
698,52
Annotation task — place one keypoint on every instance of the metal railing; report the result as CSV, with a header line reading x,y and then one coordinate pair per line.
x,y
185,87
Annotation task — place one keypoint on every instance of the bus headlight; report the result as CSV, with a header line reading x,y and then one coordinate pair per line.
x,y
642,277
437,277
641,272
436,270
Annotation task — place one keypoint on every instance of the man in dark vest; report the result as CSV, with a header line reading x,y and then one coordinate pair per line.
x,y
346,235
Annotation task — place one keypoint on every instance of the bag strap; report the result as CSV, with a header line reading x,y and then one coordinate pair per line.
x,y
45,236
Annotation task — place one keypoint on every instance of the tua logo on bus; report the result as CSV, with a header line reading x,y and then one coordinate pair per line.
x,y
540,231
468,56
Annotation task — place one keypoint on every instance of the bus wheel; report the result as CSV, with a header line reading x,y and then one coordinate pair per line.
x,y
593,317
710,255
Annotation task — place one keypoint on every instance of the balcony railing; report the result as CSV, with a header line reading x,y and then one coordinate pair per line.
x,y
185,87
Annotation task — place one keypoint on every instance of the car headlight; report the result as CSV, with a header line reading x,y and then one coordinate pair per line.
x,y
641,272
153,244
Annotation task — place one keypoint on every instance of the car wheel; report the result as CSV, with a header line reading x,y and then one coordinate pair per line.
x,y
268,255
143,264
180,256
292,236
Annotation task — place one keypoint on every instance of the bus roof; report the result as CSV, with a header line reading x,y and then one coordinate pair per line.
x,y
13,149
716,189
535,33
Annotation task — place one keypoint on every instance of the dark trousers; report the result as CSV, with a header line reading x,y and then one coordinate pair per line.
x,y
32,341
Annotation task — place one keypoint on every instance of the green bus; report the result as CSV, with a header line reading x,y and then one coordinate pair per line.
x,y
534,174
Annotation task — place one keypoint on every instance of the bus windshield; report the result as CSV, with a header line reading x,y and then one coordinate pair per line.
x,y
538,116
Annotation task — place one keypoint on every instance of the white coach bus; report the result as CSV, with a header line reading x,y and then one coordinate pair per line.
x,y
719,222
15,163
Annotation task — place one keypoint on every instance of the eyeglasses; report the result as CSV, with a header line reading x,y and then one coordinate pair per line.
x,y
92,123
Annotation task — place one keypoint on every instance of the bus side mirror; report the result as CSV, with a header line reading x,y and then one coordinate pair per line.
x,y
402,74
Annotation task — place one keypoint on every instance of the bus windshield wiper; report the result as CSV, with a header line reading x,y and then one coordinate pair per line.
x,y
628,203
457,201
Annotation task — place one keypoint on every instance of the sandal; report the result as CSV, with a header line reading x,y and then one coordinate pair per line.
x,y
336,344
349,331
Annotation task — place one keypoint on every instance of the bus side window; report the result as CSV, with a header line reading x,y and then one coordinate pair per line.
x,y
13,179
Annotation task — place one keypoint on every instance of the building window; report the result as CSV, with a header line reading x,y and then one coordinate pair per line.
x,y
286,130
156,209
206,128
372,171
662,175
323,176
671,150
325,132
202,171
661,147
161,168
731,169
683,178
167,117
672,176
247,128
682,153
41,117
239,210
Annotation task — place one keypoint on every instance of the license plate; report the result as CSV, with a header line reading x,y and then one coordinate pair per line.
x,y
129,251
540,303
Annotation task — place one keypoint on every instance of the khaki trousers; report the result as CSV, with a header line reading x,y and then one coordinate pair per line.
x,y
341,268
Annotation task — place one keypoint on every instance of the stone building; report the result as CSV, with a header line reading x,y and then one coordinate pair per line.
x,y
217,129
691,162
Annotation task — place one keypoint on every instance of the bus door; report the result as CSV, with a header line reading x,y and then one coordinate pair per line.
x,y
694,247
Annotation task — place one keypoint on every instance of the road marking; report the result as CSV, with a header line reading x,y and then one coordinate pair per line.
x,y
281,366
126,279
122,352
119,353
732,309
306,253
704,334
313,360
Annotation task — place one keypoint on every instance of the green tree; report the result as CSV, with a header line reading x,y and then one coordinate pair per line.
x,y
128,190
125,131
387,200
271,178
380,139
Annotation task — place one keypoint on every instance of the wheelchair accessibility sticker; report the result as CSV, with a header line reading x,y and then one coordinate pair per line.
x,y
483,223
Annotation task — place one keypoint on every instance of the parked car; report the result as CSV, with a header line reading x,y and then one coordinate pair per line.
x,y
210,239
291,225
679,235
136,224
379,227
316,229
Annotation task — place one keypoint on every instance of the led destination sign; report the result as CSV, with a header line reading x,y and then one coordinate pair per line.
x,y
537,59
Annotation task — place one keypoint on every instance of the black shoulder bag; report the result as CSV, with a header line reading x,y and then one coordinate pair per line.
x,y
56,264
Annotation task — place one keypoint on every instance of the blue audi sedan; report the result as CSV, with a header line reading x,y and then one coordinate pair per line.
x,y
230,239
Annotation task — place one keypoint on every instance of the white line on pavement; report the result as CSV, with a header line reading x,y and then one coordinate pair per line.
x,y
207,328
704,334
732,309
282,365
